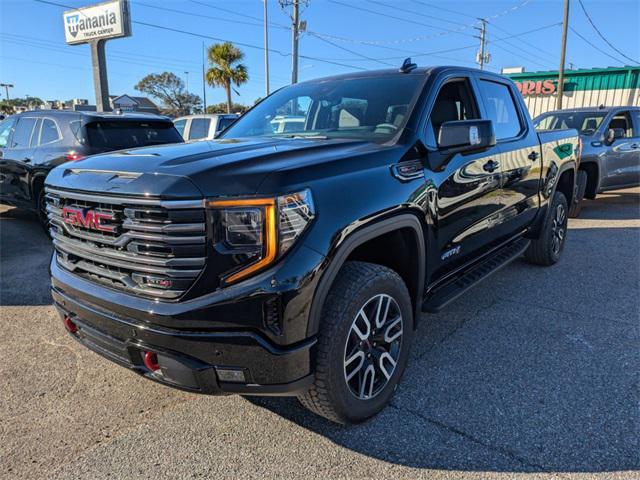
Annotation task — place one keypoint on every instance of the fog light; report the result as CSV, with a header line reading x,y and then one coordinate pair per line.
x,y
69,325
234,375
150,360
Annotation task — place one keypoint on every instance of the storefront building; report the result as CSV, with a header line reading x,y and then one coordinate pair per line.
x,y
582,88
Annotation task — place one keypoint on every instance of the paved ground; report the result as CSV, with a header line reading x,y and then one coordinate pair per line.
x,y
536,372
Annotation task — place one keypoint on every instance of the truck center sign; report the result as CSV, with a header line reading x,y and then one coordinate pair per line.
x,y
97,22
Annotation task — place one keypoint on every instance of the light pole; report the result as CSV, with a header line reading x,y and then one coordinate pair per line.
x,y
6,86
266,48
187,80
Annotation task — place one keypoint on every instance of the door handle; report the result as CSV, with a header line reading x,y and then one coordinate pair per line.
x,y
490,166
533,156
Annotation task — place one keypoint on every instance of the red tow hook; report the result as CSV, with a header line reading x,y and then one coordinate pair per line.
x,y
150,360
70,325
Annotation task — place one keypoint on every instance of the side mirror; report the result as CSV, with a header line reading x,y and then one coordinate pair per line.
x,y
466,136
613,134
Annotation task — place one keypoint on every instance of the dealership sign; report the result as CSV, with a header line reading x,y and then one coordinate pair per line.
x,y
540,87
96,22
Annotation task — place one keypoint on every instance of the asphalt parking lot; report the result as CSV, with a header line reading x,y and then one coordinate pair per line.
x,y
536,371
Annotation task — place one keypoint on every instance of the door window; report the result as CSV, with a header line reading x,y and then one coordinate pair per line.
x,y
199,128
180,124
6,128
622,120
49,132
454,102
22,135
636,127
501,109
224,122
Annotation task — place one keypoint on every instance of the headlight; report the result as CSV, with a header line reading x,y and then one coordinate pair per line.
x,y
256,231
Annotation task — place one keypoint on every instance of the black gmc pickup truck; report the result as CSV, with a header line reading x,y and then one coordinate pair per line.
x,y
298,262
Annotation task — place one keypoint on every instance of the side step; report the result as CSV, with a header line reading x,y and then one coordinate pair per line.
x,y
451,290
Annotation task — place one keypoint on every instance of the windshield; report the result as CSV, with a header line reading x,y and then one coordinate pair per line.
x,y
585,122
371,108
117,135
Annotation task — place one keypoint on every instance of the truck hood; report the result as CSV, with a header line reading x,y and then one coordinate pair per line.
x,y
205,168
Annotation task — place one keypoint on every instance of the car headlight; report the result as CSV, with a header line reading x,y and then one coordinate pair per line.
x,y
256,231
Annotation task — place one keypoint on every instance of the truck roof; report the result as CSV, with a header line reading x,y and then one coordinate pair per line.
x,y
396,71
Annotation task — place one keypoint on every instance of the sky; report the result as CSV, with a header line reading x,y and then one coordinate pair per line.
x,y
341,36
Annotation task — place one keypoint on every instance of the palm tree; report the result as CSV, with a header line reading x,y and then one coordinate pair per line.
x,y
225,69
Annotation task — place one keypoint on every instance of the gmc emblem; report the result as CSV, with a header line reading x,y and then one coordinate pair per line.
x,y
87,219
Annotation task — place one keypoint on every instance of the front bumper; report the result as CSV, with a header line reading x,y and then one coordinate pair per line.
x,y
189,359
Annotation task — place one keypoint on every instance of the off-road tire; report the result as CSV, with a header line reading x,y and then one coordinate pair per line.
x,y
330,395
542,250
581,182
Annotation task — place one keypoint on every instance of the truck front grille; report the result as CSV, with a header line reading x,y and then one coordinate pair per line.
x,y
154,248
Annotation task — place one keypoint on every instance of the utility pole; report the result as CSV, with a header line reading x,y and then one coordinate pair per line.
x,y
186,74
563,52
481,56
294,40
266,48
204,82
297,26
6,86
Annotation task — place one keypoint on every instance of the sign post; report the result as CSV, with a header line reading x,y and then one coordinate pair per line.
x,y
95,25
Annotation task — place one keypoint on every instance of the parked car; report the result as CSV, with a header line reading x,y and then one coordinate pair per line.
x,y
34,142
299,263
288,123
203,127
610,157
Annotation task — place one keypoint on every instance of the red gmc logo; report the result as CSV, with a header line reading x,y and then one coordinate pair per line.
x,y
87,219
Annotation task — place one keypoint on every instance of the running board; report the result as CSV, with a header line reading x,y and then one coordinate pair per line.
x,y
451,290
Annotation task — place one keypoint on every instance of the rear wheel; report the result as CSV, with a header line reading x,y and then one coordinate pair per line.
x,y
546,249
363,346
581,187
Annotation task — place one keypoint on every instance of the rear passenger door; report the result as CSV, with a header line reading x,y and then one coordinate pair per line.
x,y
519,154
468,185
622,157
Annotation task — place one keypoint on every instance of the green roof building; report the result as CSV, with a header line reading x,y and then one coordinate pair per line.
x,y
619,86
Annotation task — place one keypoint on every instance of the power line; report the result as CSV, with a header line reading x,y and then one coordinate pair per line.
x,y
439,7
243,15
601,35
350,51
360,8
217,39
595,46
413,12
529,53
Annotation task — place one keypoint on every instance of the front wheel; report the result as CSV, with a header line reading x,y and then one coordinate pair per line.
x,y
546,249
363,344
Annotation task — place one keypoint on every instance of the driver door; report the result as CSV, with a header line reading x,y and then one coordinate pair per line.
x,y
468,199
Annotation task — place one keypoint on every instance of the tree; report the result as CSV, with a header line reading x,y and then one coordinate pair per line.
x,y
222,107
169,89
225,69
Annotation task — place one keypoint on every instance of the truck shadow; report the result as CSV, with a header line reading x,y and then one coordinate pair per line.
x,y
528,372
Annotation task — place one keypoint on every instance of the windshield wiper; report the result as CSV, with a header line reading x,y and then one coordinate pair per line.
x,y
310,137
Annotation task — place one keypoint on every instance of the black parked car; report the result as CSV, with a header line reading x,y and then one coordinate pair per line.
x,y
32,143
